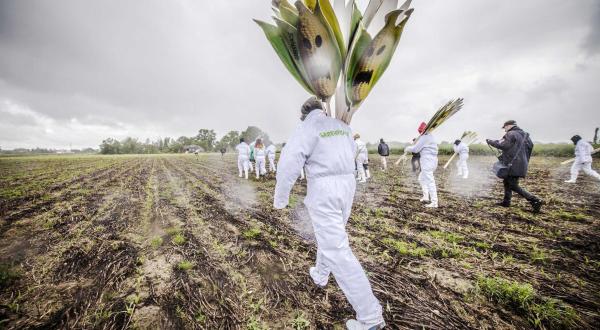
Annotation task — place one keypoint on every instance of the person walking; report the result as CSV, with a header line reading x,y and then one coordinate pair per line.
x,y
361,158
384,151
271,153
516,147
463,154
324,147
223,150
243,150
259,158
415,161
427,148
583,159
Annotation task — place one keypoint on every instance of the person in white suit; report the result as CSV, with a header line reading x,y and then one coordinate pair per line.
x,y
260,155
323,146
427,147
583,160
243,150
271,153
361,159
463,154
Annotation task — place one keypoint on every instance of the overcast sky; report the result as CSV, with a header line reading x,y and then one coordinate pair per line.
x,y
76,72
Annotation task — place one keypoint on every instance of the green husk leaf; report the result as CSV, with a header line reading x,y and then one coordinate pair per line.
x,y
288,13
355,22
358,46
397,33
276,39
310,4
289,34
333,23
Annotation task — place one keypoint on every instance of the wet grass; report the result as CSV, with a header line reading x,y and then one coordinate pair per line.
x,y
521,297
210,257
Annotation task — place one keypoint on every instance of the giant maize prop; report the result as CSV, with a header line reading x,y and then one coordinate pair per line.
x,y
337,56
467,138
444,113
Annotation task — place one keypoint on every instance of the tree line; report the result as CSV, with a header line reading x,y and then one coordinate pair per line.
x,y
206,139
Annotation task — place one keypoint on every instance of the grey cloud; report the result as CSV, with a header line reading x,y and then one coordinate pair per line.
x,y
167,68
592,42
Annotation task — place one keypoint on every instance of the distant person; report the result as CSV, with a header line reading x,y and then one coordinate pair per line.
x,y
427,148
583,159
463,154
251,160
361,159
271,153
223,151
260,154
243,157
384,151
516,147
324,146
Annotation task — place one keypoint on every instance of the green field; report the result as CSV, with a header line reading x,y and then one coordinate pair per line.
x,y
179,241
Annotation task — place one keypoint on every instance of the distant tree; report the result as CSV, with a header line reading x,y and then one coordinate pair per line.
x,y
110,146
596,135
206,139
165,144
130,146
229,140
252,133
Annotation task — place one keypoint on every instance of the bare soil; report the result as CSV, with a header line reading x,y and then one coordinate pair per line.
x,y
179,241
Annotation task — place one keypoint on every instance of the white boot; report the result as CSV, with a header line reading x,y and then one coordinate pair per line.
x,y
368,174
425,197
314,275
356,325
433,204
570,181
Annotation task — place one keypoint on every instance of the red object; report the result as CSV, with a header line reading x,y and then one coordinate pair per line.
x,y
422,128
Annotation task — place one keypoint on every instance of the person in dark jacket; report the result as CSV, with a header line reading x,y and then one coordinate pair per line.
x,y
384,151
415,160
516,147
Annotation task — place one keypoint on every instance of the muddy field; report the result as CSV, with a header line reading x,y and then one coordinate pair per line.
x,y
181,242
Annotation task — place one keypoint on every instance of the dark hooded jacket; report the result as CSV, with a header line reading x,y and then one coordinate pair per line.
x,y
512,151
383,149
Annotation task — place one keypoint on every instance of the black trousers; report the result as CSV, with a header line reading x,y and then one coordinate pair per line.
x,y
512,184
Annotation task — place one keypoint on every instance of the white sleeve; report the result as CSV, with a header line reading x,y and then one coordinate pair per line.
x,y
417,147
291,162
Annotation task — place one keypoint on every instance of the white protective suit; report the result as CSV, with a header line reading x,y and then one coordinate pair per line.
x,y
271,152
583,161
324,147
362,157
243,150
428,148
260,161
463,154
